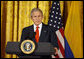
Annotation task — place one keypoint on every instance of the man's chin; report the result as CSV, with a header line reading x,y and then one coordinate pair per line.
x,y
37,23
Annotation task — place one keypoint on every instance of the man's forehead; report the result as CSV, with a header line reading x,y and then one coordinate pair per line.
x,y
36,12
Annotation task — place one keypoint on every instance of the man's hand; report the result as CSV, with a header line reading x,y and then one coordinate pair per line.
x,y
56,50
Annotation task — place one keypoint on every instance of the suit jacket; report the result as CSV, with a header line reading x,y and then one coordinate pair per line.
x,y
47,35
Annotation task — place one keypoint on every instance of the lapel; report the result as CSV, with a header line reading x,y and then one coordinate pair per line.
x,y
43,33
32,29
31,32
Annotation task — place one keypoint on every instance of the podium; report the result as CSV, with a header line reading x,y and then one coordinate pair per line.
x,y
43,49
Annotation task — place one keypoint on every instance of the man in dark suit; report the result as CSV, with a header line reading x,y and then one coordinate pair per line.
x,y
42,32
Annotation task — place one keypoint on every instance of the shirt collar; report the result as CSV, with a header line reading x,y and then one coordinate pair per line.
x,y
40,25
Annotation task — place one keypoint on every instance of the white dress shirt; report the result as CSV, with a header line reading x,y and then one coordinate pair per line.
x,y
40,27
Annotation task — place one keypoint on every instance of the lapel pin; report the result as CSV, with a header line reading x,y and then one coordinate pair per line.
x,y
44,31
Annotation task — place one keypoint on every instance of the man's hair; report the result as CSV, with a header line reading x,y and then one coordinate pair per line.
x,y
36,9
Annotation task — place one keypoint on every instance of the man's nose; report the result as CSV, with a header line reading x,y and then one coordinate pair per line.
x,y
37,17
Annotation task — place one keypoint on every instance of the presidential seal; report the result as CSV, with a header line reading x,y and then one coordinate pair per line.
x,y
27,46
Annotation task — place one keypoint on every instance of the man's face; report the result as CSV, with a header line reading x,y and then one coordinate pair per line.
x,y
37,17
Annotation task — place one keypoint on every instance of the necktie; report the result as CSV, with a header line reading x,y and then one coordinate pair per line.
x,y
37,34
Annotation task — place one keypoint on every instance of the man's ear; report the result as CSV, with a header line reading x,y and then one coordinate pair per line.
x,y
42,17
31,17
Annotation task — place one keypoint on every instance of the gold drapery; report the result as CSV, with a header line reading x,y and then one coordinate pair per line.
x,y
15,15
